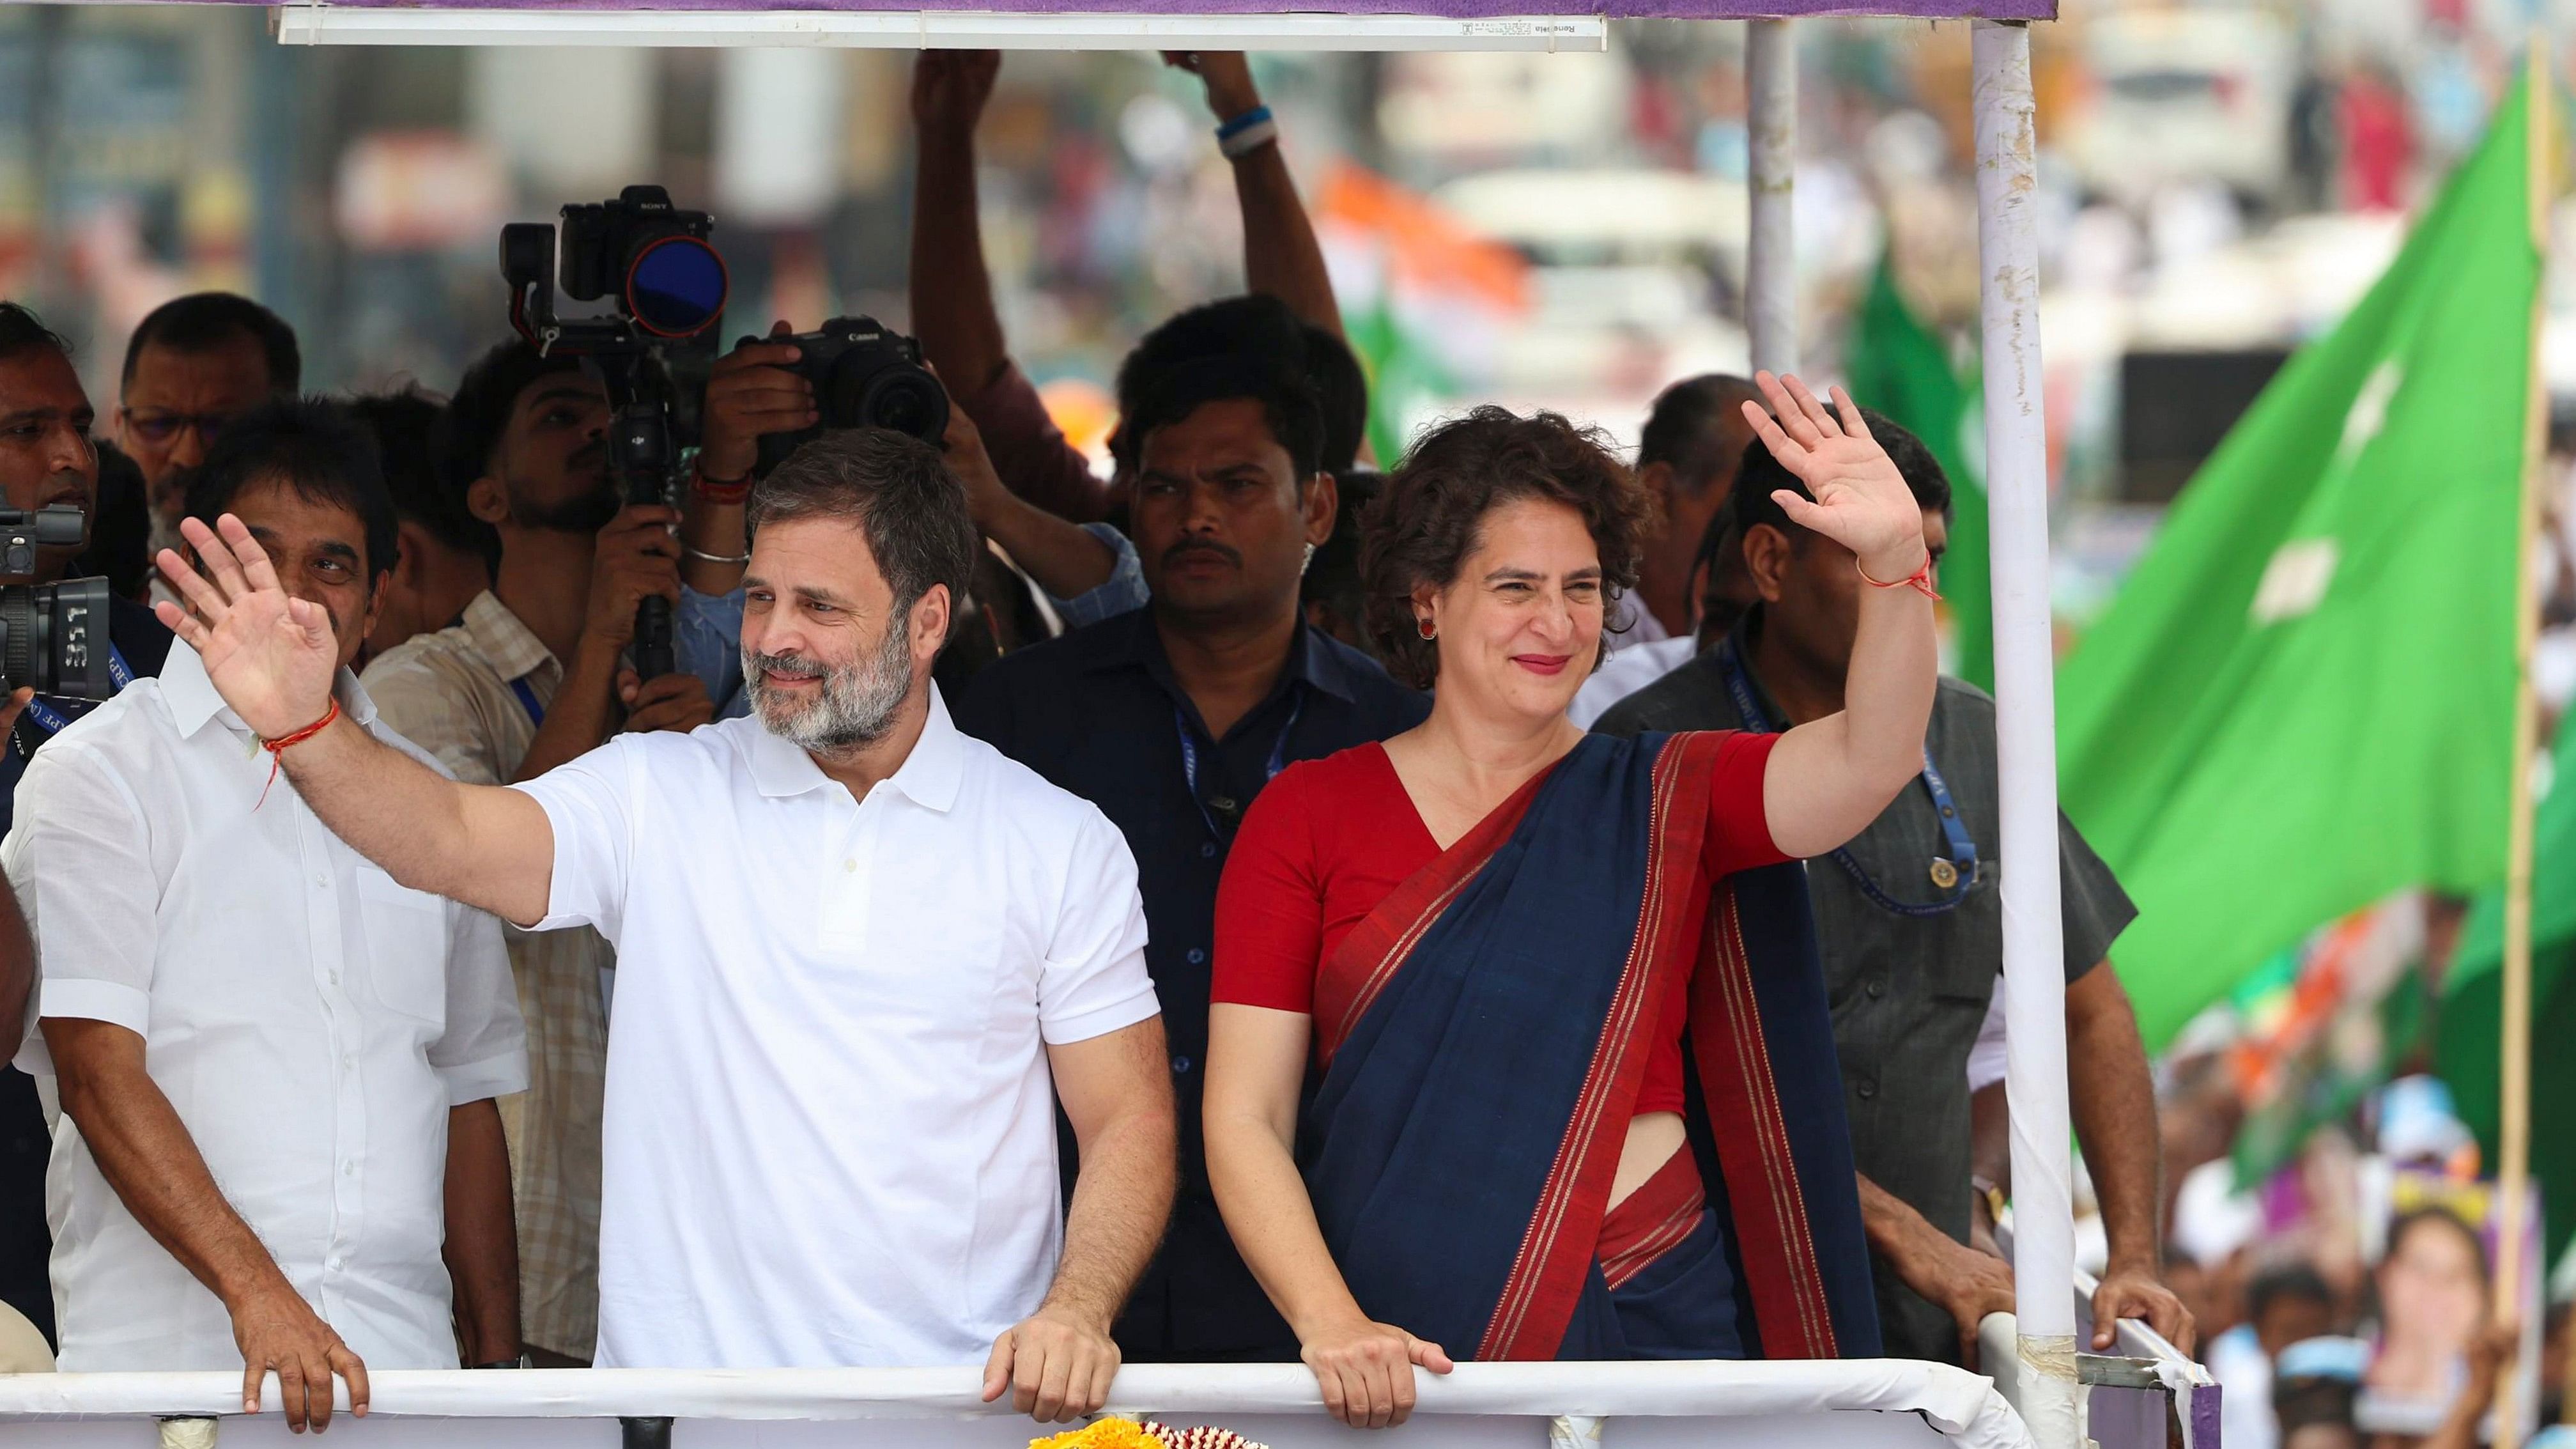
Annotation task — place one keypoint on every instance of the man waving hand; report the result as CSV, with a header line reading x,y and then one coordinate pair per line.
x,y
856,950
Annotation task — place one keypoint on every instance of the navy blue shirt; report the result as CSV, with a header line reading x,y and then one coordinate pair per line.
x,y
1099,714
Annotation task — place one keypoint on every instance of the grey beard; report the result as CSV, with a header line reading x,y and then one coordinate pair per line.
x,y
856,705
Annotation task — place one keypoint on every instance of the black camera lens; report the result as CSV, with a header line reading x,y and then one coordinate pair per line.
x,y
676,287
53,639
907,400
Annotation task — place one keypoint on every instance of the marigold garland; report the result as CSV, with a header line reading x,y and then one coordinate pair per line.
x,y
1113,1432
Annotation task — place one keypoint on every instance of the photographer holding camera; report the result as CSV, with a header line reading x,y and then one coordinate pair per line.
x,y
537,674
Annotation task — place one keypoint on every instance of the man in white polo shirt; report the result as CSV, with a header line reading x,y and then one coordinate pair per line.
x,y
855,950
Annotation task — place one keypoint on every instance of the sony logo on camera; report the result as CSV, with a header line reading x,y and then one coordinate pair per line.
x,y
47,630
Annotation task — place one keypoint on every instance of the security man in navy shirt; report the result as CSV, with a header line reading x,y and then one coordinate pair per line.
x,y
47,460
1172,717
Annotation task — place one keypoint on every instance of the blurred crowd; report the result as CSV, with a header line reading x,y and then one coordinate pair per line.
x,y
1422,253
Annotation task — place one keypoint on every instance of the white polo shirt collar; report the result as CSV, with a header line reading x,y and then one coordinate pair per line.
x,y
928,777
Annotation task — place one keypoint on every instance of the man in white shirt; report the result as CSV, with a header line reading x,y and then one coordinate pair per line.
x,y
276,1066
855,949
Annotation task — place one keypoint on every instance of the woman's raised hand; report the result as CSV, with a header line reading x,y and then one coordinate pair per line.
x,y
1861,501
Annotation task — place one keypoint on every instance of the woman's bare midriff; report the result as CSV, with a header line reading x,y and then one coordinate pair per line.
x,y
1653,1138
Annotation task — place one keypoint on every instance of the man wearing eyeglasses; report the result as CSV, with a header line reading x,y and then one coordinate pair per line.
x,y
193,365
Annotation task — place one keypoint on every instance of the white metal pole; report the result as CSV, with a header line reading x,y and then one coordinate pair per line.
x,y
1771,138
2026,728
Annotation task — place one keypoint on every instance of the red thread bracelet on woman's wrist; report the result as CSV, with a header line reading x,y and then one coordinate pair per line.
x,y
278,747
1920,581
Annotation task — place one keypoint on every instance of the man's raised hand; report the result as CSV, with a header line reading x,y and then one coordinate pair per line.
x,y
270,655
1861,501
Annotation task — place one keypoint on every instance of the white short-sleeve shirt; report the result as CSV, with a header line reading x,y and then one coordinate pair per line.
x,y
309,1020
830,1134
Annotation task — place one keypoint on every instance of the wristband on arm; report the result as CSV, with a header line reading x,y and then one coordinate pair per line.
x,y
1247,133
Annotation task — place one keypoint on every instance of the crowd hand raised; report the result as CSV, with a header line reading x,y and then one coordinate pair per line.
x,y
950,87
270,655
2136,1293
963,444
277,1330
1365,1370
1861,501
636,558
751,394
1057,1366
677,702
1227,75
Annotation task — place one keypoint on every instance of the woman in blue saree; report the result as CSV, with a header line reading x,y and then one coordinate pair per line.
x,y
1550,1001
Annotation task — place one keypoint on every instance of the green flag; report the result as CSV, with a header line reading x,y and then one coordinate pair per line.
x,y
2302,698
2471,1024
1402,373
1900,367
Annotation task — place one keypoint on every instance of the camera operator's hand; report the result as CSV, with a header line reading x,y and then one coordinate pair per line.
x,y
636,559
676,702
963,445
1227,75
751,393
950,87
14,706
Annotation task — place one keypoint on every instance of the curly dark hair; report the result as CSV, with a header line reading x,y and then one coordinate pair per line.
x,y
1424,523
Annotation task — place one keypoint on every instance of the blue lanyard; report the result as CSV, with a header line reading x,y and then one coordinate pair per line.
x,y
52,720
528,701
1954,873
1190,759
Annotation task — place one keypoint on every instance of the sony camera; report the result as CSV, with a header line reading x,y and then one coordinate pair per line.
x,y
53,637
655,265
864,376
651,259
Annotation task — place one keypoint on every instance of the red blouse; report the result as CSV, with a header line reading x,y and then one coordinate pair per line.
x,y
1330,839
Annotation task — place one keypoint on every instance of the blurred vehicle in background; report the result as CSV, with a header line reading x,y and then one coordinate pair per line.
x,y
2198,94
1631,281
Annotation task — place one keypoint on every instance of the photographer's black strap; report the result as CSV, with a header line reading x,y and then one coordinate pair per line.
x,y
52,720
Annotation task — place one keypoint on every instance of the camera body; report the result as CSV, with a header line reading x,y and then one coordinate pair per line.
x,y
53,637
653,261
865,375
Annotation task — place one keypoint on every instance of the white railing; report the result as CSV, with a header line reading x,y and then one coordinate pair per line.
x,y
1862,1404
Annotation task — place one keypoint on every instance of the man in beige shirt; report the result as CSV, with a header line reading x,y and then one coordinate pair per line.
x,y
533,676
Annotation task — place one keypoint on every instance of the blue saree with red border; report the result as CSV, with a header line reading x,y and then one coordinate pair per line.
x,y
1484,1034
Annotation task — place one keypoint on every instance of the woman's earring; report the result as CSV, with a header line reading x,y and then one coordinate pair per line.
x,y
1424,627
1307,562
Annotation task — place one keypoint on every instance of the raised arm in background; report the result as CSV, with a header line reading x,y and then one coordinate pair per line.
x,y
272,659
953,315
1281,257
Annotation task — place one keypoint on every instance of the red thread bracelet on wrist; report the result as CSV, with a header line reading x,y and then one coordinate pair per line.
x,y
720,490
1920,581
278,747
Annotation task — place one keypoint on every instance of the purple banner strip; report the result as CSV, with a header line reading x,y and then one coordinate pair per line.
x,y
1448,9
